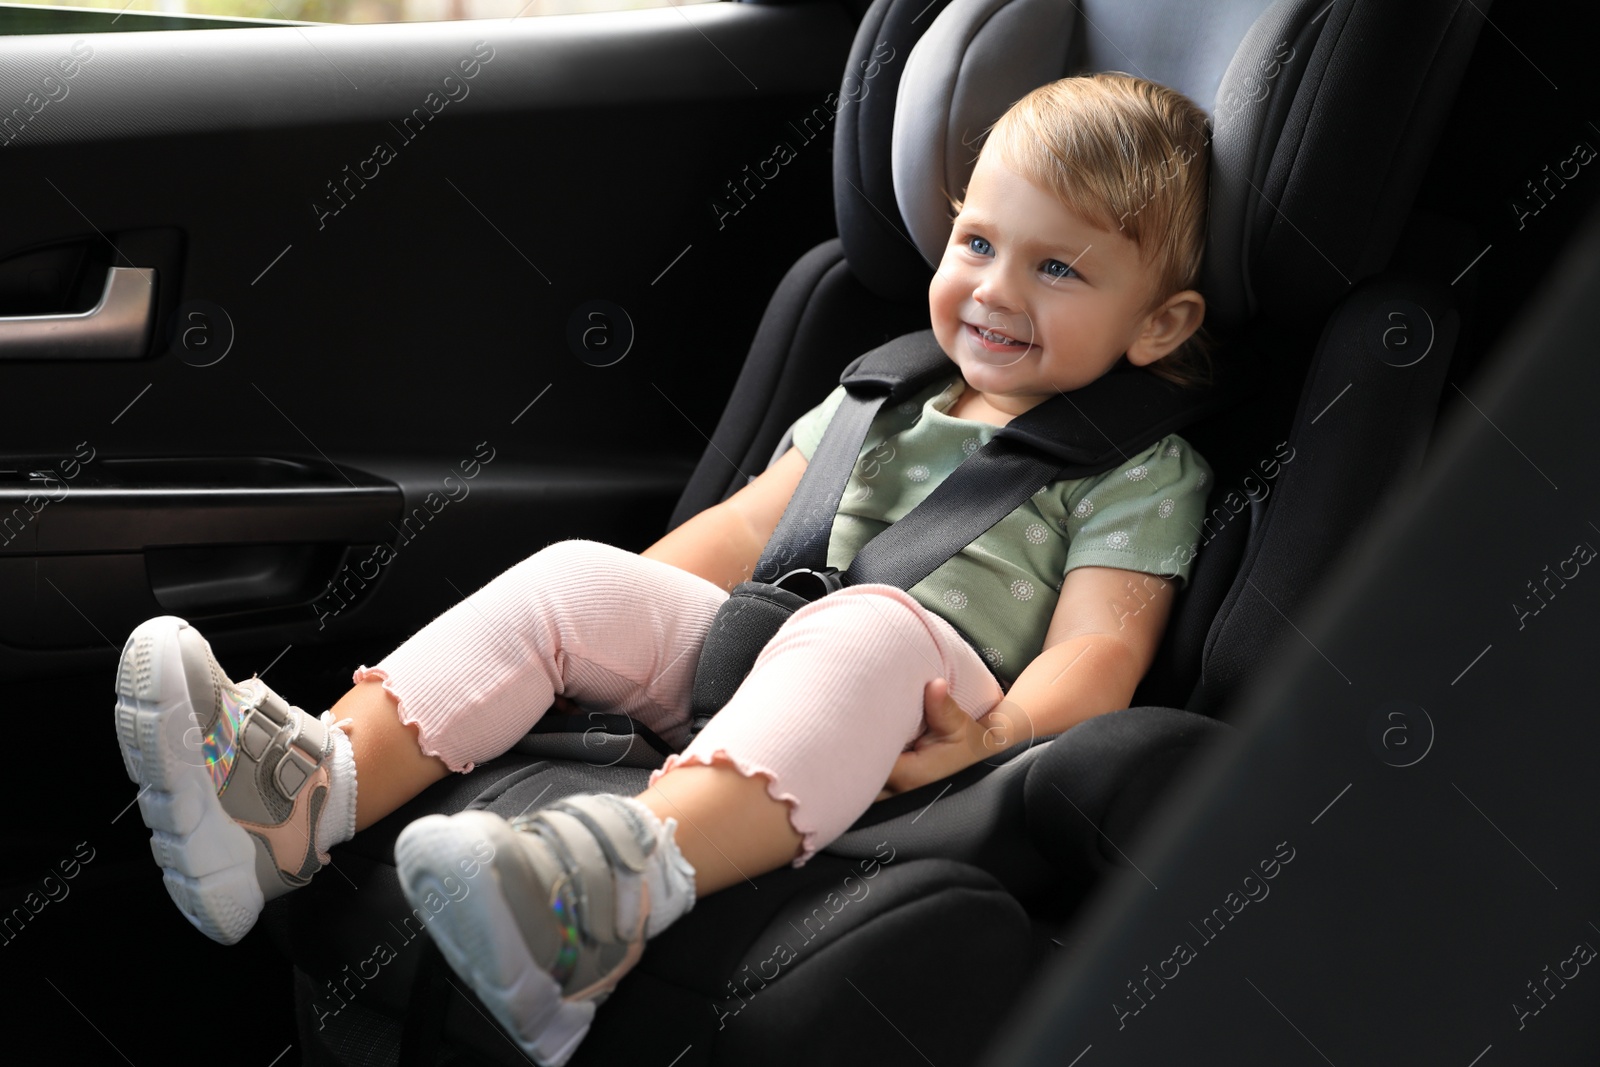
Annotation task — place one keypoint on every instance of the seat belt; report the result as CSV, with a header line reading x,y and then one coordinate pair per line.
x,y
892,372
1087,432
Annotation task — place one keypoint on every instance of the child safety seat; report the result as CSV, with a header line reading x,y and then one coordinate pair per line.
x,y
913,932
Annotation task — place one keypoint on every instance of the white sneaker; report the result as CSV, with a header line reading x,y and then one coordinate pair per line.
x,y
542,915
233,779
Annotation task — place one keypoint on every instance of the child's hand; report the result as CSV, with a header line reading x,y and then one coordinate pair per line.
x,y
953,742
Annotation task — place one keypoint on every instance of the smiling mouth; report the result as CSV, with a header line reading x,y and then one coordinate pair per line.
x,y
994,340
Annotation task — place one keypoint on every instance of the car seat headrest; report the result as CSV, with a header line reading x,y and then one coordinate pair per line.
x,y
879,250
975,60
980,56
1291,89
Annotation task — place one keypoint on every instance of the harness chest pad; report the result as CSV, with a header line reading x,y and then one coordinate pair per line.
x,y
743,625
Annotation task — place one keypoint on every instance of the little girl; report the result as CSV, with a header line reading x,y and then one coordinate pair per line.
x,y
1076,247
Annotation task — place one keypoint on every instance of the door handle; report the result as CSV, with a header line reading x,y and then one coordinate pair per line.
x,y
115,328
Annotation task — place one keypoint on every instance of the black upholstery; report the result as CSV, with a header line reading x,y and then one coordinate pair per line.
x,y
1301,214
1348,457
820,310
871,231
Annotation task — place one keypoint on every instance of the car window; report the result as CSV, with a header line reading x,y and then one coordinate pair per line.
x,y
43,16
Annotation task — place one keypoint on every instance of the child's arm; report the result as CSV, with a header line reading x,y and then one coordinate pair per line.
x,y
723,543
1102,639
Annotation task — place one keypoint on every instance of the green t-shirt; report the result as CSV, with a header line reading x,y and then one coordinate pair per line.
x,y
1001,590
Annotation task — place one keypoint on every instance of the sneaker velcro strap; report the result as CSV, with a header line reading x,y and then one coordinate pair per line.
x,y
255,734
292,771
585,854
311,737
273,706
625,840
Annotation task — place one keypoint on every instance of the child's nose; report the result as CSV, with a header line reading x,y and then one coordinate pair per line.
x,y
994,294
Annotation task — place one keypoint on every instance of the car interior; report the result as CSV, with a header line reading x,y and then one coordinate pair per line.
x,y
270,289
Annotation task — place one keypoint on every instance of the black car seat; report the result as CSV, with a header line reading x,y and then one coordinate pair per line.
x,y
910,935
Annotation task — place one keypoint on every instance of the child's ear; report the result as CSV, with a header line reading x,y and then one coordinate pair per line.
x,y
1170,324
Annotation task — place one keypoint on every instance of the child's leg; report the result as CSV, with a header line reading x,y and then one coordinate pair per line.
x,y
803,747
246,792
581,619
393,766
580,884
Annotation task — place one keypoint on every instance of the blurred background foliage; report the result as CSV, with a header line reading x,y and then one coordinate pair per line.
x,y
358,11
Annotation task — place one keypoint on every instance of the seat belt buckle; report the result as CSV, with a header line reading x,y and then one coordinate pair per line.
x,y
811,584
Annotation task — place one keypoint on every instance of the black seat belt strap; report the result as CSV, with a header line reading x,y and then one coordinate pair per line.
x,y
887,374
988,486
1092,430
801,537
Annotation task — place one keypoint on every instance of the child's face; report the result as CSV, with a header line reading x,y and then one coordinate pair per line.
x,y
1071,297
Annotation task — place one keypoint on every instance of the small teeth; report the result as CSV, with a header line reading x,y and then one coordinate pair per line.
x,y
997,338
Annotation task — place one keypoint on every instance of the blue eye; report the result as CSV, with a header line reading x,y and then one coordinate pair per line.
x,y
973,242
1065,272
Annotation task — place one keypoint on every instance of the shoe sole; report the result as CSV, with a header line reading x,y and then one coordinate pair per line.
x,y
479,937
207,861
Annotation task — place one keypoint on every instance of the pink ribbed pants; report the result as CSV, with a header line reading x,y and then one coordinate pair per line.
x,y
830,703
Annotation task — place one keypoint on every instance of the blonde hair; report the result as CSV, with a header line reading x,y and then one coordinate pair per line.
x,y
1127,155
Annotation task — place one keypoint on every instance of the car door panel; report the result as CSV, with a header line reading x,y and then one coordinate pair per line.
x,y
424,298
